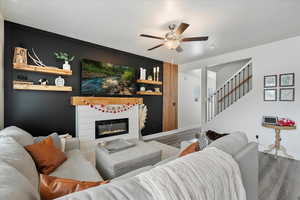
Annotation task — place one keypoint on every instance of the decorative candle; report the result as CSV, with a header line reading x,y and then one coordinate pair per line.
x,y
154,73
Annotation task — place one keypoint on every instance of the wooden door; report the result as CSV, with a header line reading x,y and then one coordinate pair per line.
x,y
170,98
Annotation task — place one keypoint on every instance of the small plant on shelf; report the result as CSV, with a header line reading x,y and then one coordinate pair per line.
x,y
65,57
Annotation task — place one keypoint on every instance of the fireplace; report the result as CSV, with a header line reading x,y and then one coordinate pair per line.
x,y
113,127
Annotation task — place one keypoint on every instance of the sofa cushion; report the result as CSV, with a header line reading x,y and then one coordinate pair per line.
x,y
77,167
133,173
231,143
16,156
55,138
46,156
21,136
52,187
13,185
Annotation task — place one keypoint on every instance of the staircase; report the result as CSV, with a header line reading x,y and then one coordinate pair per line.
x,y
231,91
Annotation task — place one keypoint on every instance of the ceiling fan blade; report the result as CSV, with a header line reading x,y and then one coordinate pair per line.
x,y
179,49
156,46
182,27
151,36
191,39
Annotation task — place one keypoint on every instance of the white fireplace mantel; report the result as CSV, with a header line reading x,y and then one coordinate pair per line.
x,y
86,116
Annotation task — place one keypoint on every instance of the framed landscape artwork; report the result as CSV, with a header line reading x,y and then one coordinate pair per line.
x,y
270,81
106,79
287,80
287,94
270,95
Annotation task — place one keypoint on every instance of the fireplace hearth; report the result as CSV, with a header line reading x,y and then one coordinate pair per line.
x,y
113,127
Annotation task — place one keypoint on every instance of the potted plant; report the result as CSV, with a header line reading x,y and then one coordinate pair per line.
x,y
65,57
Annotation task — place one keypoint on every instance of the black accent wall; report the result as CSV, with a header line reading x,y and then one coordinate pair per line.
x,y
44,112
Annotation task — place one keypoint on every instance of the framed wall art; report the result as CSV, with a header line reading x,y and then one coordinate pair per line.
x,y
270,94
287,94
270,81
287,80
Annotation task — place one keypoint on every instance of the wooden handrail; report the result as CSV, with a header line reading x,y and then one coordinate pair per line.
x,y
235,88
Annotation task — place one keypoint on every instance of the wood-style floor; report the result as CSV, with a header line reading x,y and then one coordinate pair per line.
x,y
279,179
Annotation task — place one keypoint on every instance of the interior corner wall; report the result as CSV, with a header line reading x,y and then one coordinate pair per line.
x,y
246,114
1,71
189,99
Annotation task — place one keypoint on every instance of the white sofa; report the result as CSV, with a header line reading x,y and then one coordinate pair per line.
x,y
19,178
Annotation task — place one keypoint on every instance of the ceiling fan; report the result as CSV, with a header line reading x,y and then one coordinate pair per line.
x,y
173,39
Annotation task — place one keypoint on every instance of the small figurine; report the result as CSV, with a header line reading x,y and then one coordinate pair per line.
x,y
43,81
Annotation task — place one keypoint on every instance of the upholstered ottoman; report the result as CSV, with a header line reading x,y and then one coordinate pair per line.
x,y
111,165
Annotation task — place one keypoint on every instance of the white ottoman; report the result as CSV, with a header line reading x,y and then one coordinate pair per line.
x,y
112,165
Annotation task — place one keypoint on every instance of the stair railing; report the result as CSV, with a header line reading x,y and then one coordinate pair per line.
x,y
231,91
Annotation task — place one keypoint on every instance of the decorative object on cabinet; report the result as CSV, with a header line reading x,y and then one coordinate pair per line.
x,y
271,120
36,59
48,70
157,89
270,81
22,77
20,55
287,94
65,57
43,81
142,115
142,89
59,81
149,78
287,80
142,74
270,95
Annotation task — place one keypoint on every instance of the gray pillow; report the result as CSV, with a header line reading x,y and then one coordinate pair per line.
x,y
55,139
19,135
16,156
13,185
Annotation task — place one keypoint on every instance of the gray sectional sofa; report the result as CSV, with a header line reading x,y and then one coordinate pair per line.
x,y
19,178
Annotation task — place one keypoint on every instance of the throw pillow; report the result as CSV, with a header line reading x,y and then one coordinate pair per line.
x,y
52,187
46,156
16,156
55,138
19,135
189,149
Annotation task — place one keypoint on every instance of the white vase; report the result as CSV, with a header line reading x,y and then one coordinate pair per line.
x,y
66,66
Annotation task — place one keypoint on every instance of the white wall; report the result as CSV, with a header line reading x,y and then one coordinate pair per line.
x,y
1,71
226,71
246,114
189,110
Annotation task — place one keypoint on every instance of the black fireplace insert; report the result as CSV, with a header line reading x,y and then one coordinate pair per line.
x,y
113,127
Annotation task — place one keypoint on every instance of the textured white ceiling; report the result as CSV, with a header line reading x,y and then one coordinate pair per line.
x,y
231,24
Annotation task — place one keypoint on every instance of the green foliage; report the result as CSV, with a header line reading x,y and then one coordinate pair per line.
x,y
64,56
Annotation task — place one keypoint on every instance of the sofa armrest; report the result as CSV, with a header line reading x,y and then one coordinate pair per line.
x,y
247,159
72,143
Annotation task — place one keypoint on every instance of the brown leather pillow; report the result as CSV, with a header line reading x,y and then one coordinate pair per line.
x,y
52,187
46,156
189,149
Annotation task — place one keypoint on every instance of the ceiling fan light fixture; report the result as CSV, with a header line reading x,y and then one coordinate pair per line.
x,y
172,44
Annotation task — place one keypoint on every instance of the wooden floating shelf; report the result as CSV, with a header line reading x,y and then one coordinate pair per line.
x,y
149,93
149,82
42,87
48,70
